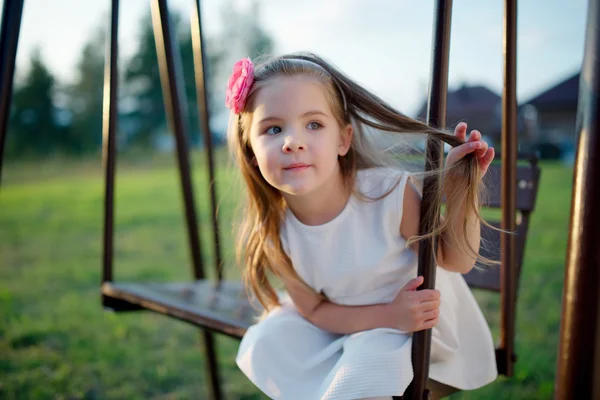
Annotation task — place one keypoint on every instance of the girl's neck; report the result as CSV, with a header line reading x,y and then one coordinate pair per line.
x,y
321,206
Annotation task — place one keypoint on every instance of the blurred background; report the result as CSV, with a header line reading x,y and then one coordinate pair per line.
x,y
56,341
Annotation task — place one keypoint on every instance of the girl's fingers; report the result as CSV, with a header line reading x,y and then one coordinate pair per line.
x,y
427,324
486,160
482,149
487,153
473,144
413,284
488,157
429,305
463,150
431,314
461,131
474,136
491,153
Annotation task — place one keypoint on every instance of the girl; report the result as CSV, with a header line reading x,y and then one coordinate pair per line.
x,y
333,218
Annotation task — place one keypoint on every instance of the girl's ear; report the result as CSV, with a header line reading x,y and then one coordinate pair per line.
x,y
345,139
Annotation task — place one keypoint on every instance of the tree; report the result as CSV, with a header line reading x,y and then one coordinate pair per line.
x,y
142,75
242,31
241,35
86,96
142,78
33,126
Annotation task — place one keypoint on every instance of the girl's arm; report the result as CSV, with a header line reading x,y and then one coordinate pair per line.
x,y
448,255
411,311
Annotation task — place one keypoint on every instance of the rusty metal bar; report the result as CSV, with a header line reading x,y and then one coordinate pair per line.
x,y
436,116
109,151
203,117
12,13
577,375
171,74
505,354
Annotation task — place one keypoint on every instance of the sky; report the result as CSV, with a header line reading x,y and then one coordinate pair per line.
x,y
383,44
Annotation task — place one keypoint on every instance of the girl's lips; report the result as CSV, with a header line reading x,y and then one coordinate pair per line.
x,y
296,167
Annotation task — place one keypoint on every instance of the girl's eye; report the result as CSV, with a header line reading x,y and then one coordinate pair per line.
x,y
314,125
273,130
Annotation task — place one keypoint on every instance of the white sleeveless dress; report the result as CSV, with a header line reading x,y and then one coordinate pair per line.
x,y
359,258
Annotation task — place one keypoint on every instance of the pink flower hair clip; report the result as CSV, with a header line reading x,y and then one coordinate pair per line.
x,y
239,85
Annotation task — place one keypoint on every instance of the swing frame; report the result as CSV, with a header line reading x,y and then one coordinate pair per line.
x,y
576,372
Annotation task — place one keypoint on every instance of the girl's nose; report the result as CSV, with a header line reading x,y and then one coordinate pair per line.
x,y
292,144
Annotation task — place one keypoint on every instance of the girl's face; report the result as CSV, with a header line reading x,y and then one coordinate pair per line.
x,y
295,138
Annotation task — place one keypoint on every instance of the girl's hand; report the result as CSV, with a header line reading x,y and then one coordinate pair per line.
x,y
413,310
484,154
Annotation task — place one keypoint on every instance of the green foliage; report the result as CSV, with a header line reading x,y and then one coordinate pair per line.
x,y
34,129
33,125
142,75
57,342
143,84
244,30
142,78
86,95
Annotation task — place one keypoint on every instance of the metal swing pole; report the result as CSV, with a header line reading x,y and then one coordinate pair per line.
x,y
110,115
203,116
171,76
109,147
578,370
436,116
505,357
9,39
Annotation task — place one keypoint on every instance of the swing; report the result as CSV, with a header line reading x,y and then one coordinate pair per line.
x,y
221,306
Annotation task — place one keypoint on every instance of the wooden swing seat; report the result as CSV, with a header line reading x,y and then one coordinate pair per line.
x,y
222,308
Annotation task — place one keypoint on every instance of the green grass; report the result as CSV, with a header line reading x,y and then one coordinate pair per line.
x,y
56,341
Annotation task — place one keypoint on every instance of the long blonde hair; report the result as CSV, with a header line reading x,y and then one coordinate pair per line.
x,y
259,246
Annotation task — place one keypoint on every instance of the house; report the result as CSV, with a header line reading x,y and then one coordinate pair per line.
x,y
477,105
554,111
545,123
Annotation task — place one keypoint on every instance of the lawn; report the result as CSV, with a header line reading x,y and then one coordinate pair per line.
x,y
56,341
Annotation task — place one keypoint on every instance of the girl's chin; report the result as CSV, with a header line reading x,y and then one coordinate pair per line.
x,y
295,190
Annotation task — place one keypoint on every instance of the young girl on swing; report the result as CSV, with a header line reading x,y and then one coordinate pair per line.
x,y
332,217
